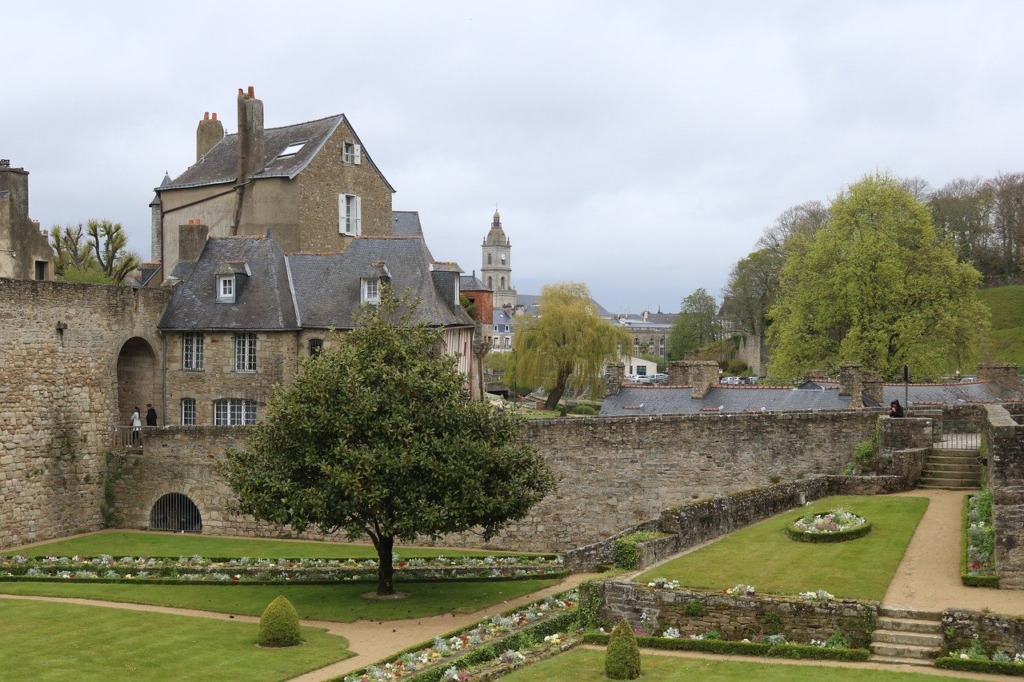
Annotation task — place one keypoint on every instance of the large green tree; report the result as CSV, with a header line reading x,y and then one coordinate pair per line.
x,y
379,438
696,327
97,253
875,285
566,346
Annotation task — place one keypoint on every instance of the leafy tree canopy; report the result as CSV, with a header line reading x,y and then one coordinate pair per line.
x,y
875,285
103,258
566,346
378,438
696,326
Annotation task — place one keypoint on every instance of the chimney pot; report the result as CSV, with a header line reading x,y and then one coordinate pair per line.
x,y
5,163
241,93
252,92
206,115
215,116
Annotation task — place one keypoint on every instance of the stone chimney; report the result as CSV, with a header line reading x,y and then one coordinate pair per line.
x,y
251,140
208,134
191,240
872,387
614,374
700,375
1003,374
849,378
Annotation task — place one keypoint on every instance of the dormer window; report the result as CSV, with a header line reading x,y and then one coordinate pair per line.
x,y
370,291
226,289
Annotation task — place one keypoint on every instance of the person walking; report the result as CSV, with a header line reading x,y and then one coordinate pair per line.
x,y
136,420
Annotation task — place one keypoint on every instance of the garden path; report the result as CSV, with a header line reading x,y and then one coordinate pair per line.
x,y
928,577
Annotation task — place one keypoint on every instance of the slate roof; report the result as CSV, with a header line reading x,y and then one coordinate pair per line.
x,y
531,302
220,164
502,317
472,283
263,299
327,287
634,399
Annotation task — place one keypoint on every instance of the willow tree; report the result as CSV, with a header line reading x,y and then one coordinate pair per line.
x,y
566,346
378,438
879,286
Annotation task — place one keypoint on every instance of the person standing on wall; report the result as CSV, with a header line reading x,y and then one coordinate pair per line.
x,y
136,427
150,415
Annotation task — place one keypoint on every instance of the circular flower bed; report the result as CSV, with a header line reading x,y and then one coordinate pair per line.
x,y
833,526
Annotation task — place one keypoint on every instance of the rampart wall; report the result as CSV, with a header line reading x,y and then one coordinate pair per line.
x,y
612,472
59,350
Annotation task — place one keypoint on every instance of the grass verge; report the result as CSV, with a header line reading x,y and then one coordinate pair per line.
x,y
762,555
587,665
338,603
46,641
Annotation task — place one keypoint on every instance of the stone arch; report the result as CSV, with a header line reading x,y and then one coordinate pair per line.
x,y
176,512
137,378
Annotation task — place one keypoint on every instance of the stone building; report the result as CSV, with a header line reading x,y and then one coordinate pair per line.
x,y
313,183
25,252
496,268
245,313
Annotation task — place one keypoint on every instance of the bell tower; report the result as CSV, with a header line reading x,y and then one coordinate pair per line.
x,y
496,269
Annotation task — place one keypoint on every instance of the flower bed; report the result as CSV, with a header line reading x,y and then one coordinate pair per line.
x,y
494,645
977,559
975,658
770,646
837,525
197,569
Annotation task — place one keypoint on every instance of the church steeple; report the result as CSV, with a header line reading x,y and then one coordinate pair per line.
x,y
496,269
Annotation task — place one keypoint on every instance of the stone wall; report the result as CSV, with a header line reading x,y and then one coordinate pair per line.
x,y
59,350
996,633
734,617
613,473
1004,448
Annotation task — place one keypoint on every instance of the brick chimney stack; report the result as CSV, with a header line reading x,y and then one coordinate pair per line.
x,y
251,140
615,374
192,240
208,134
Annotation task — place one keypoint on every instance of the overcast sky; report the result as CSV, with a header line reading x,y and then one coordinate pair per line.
x,y
639,147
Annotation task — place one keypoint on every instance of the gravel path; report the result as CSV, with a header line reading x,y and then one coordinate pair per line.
x,y
928,577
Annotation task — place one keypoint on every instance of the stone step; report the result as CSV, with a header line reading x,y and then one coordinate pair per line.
x,y
924,653
940,469
909,614
925,639
896,660
966,487
892,623
953,456
955,480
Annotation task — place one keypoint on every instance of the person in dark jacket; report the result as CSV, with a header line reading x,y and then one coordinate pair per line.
x,y
150,416
895,409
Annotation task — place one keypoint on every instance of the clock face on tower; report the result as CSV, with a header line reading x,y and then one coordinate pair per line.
x,y
502,259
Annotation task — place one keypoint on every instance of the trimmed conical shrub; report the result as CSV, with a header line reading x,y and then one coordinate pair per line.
x,y
622,658
279,624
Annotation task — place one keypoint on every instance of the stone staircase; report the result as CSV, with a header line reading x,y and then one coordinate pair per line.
x,y
907,637
951,469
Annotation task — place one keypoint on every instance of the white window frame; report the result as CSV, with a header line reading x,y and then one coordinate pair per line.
x,y
245,352
234,412
351,152
192,351
496,342
225,289
508,343
350,215
188,411
369,293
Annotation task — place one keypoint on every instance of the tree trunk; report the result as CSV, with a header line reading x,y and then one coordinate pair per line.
x,y
385,568
556,393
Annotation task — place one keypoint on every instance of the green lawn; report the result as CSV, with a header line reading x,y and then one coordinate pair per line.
x,y
762,555
341,603
149,544
586,665
44,641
